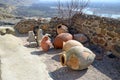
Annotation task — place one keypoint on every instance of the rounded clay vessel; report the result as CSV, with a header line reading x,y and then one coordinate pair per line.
x,y
62,29
71,43
63,37
45,43
77,58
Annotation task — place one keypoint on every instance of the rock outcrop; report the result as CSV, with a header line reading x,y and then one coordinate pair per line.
x,y
7,30
18,63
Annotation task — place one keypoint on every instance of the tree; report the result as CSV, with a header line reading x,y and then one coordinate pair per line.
x,y
68,8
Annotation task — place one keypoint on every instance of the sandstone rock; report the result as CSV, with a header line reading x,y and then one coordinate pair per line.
x,y
98,30
31,39
18,63
39,36
31,36
101,41
81,38
25,25
9,41
117,30
7,30
116,49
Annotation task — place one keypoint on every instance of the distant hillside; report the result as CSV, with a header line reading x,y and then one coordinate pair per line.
x,y
7,6
17,2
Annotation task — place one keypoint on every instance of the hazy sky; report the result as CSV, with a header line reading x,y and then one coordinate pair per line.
x,y
90,0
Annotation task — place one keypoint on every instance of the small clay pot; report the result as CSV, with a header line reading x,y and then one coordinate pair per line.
x,y
62,29
71,43
45,43
77,58
63,37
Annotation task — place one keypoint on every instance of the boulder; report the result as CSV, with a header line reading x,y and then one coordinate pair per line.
x,y
81,38
116,50
24,26
7,30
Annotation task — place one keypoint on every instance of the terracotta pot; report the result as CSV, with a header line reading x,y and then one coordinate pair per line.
x,y
45,43
71,43
77,58
62,29
63,37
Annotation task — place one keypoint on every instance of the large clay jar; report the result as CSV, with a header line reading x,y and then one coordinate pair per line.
x,y
45,43
63,37
62,29
71,43
77,58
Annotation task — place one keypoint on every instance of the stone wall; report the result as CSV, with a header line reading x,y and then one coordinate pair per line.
x,y
26,25
101,31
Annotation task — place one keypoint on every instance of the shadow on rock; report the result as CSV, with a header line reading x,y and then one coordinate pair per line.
x,y
49,52
37,53
66,73
108,67
53,51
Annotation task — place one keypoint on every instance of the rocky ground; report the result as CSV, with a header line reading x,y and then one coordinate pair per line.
x,y
104,69
34,64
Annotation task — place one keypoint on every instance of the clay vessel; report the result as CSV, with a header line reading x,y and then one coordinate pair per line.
x,y
45,43
71,43
62,29
63,37
77,58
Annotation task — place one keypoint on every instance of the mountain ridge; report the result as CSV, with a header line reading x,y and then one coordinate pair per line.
x,y
17,2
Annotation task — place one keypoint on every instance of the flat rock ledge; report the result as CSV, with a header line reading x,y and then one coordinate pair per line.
x,y
18,64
